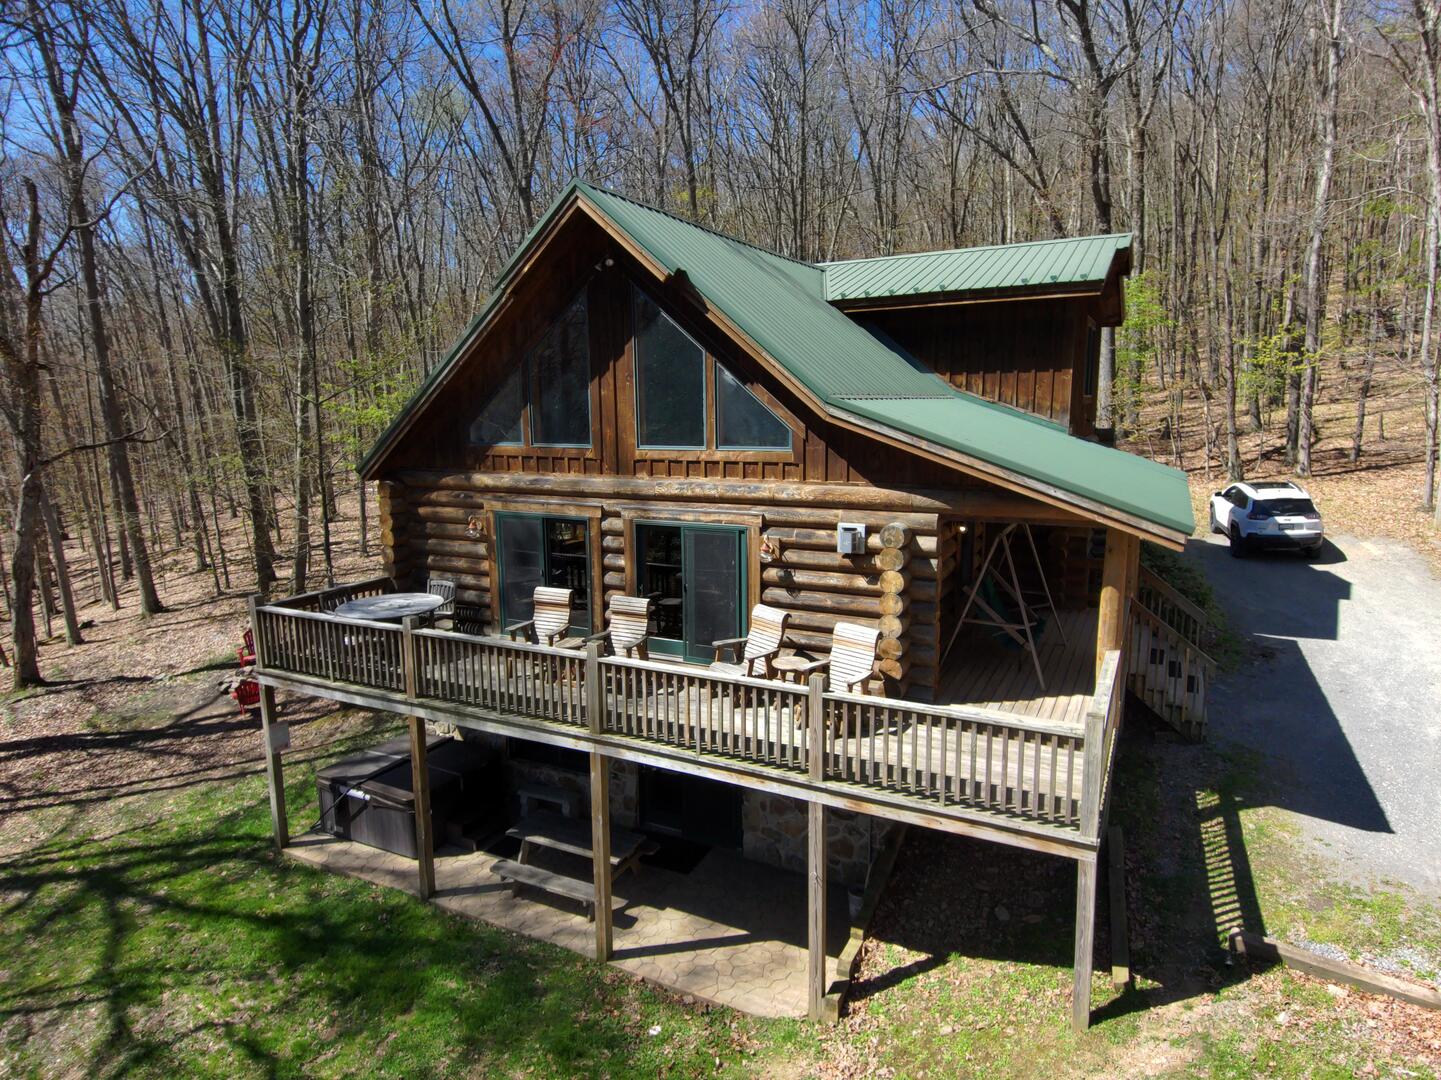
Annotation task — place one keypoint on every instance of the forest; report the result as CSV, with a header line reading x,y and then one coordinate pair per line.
x,y
235,234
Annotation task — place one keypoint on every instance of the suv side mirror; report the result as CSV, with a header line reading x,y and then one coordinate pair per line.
x,y
1217,494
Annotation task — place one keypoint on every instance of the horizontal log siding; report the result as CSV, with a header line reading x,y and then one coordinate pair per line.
x,y
424,532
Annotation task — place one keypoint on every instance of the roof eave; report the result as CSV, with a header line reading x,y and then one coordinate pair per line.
x,y
1016,481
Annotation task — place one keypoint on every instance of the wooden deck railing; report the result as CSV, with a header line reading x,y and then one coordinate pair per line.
x,y
1103,725
1163,601
331,598
938,759
1167,670
952,755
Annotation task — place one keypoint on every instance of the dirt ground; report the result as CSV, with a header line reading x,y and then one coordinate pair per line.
x,y
89,736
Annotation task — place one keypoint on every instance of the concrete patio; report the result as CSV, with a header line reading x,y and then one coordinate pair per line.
x,y
731,931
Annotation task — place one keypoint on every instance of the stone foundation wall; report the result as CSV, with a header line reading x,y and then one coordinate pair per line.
x,y
775,833
773,826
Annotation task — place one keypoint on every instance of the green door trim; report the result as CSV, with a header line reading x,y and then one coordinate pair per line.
x,y
501,516
685,648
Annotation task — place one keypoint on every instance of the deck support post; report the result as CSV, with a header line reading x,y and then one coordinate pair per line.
x,y
420,783
1085,938
816,856
1118,577
816,900
419,768
274,770
599,806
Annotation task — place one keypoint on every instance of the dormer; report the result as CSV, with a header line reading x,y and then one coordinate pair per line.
x,y
1015,323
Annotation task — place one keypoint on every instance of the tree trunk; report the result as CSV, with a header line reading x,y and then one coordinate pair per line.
x,y
1315,284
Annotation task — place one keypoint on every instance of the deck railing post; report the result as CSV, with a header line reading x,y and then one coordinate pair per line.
x,y
253,603
594,689
816,722
408,660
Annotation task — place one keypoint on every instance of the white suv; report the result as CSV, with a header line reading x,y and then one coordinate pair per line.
x,y
1276,514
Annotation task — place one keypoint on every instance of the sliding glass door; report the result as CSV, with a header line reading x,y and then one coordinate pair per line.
x,y
695,577
535,549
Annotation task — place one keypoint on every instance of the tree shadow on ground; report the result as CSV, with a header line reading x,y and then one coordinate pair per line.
x,y
188,934
1189,882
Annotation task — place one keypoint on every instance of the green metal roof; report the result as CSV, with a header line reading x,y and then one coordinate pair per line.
x,y
781,305
995,433
1067,262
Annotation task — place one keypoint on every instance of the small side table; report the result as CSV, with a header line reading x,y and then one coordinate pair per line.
x,y
789,668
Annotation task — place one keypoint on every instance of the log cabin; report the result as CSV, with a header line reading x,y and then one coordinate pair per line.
x,y
647,408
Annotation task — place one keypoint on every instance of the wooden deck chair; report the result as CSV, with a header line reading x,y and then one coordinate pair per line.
x,y
445,589
852,660
550,620
767,630
627,625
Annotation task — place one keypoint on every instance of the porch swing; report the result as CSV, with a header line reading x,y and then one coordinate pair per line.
x,y
1011,613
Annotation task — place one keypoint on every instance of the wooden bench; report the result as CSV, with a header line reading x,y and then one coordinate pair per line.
x,y
544,793
573,888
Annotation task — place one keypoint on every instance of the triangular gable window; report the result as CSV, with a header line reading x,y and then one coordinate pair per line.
x,y
676,407
554,380
499,421
743,421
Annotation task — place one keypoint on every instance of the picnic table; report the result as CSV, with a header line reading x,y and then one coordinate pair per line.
x,y
547,830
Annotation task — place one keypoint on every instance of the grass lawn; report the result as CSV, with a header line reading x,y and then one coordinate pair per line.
x,y
172,940
158,933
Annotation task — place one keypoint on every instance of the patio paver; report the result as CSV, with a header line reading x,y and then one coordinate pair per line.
x,y
731,931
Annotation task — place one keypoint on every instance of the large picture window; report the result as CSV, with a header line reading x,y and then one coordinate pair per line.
x,y
670,381
676,407
560,369
550,387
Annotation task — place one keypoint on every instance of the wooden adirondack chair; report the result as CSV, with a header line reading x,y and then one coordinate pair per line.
x,y
627,620
550,620
767,630
852,660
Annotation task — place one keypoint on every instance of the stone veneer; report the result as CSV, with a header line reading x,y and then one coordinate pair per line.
x,y
775,833
773,826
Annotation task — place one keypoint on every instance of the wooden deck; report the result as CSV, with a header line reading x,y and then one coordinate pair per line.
x,y
985,673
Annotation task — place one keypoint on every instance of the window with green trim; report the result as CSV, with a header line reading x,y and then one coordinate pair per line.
x,y
675,407
535,549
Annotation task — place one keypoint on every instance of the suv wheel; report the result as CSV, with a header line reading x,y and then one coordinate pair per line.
x,y
1215,525
1238,543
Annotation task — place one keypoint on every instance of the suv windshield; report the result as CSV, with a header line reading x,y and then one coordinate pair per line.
x,y
1278,507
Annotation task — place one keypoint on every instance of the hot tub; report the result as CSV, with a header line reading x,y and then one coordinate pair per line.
x,y
368,797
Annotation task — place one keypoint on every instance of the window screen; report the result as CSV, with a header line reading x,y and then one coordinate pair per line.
x,y
499,421
670,381
743,422
560,365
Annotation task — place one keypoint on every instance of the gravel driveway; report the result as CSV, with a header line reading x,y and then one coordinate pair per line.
x,y
1344,700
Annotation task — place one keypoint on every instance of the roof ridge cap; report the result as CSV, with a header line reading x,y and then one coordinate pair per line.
x,y
582,184
826,266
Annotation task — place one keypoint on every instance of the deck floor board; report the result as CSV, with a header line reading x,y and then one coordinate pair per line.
x,y
984,672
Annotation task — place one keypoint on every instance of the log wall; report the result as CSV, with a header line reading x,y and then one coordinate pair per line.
x,y
437,523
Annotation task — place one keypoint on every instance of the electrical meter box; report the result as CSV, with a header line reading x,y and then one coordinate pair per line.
x,y
850,538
